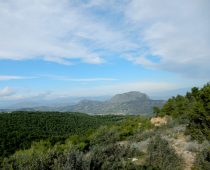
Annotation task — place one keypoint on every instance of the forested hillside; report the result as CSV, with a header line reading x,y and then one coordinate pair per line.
x,y
20,129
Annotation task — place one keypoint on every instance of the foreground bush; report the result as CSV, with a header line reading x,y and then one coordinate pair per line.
x,y
162,156
202,161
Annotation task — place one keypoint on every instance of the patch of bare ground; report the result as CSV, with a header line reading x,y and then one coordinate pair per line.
x,y
180,145
159,121
185,148
141,146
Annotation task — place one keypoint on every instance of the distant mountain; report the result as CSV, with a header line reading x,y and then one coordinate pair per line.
x,y
46,104
127,103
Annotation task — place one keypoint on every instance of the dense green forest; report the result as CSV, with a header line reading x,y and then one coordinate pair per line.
x,y
96,149
20,129
81,142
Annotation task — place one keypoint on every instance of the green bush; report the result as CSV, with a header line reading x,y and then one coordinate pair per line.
x,y
112,156
162,156
192,109
202,161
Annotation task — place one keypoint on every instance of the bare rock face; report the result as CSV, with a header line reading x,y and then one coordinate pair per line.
x,y
159,121
128,97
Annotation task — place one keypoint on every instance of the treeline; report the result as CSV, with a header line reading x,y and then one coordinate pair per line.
x,y
20,129
192,109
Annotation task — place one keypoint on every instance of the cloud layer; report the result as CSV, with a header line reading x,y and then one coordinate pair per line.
x,y
172,36
55,31
176,32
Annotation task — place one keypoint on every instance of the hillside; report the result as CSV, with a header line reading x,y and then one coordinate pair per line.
x,y
20,129
131,103
176,139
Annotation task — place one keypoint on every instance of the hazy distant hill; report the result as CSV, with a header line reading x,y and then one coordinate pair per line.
x,y
45,104
126,103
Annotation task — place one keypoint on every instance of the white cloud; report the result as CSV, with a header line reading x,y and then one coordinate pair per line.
x,y
58,60
85,79
6,77
14,77
176,31
23,94
66,78
6,91
63,31
55,31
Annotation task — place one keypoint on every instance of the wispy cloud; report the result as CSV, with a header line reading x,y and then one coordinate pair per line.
x,y
7,77
55,77
7,91
86,31
17,95
13,77
87,79
66,78
176,31
56,31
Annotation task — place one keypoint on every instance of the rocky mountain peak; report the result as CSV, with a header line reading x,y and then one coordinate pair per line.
x,y
129,96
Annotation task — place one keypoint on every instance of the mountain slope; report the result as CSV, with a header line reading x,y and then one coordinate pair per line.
x,y
126,103
20,129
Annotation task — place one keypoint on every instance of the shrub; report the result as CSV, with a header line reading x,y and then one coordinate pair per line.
x,y
74,160
162,156
112,156
202,161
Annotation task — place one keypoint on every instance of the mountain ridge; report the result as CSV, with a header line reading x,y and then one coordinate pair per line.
x,y
133,102
129,103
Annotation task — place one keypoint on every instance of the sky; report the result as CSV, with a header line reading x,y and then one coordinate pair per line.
x,y
51,49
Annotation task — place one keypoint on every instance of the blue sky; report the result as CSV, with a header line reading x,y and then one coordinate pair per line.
x,y
53,49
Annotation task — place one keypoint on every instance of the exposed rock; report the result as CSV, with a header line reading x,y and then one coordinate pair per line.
x,y
159,121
